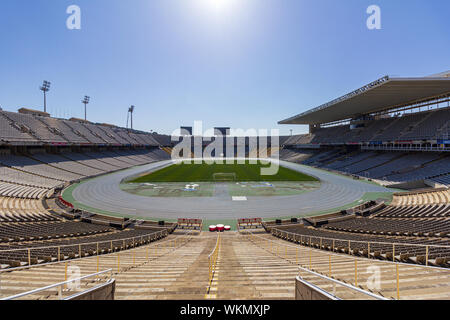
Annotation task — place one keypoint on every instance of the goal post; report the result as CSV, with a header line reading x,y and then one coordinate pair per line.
x,y
224,176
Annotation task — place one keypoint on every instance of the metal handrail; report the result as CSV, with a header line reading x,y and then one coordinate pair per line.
x,y
317,289
60,284
212,258
375,296
334,253
365,242
76,295
86,243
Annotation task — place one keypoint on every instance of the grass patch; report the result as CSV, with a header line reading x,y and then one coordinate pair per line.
x,y
191,172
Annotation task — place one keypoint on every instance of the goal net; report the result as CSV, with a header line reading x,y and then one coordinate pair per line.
x,y
219,176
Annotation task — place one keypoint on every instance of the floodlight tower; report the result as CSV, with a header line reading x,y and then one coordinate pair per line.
x,y
131,110
85,102
45,88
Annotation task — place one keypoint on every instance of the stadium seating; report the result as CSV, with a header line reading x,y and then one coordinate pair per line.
x,y
414,220
9,131
59,152
426,125
20,191
392,167
66,131
422,197
35,175
35,127
32,166
26,224
407,249
59,161
14,254
20,128
442,179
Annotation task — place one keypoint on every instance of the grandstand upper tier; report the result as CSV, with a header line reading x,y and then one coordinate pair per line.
x,y
30,127
387,111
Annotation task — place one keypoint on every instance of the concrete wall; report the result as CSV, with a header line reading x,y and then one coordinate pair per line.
x,y
410,185
306,291
434,184
104,292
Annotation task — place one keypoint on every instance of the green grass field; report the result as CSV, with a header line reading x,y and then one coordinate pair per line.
x,y
189,172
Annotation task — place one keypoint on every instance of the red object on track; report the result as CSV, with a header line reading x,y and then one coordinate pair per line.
x,y
227,228
212,228
220,228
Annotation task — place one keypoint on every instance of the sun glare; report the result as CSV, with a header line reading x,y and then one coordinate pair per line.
x,y
219,6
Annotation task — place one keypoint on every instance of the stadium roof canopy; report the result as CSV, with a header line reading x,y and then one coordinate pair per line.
x,y
383,94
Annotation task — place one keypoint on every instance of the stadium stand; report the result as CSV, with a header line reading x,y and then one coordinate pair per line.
x,y
29,165
33,127
30,233
406,249
422,197
396,141
10,131
392,167
83,243
427,125
36,158
66,131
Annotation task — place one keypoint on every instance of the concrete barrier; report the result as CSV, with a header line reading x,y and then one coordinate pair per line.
x,y
307,291
102,292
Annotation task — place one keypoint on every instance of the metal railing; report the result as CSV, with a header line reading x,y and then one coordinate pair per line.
x,y
60,286
406,147
77,249
369,246
93,248
292,254
339,283
121,261
212,259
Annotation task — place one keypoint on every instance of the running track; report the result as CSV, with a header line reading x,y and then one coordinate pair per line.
x,y
335,191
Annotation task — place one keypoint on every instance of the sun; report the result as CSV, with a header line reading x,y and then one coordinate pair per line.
x,y
219,6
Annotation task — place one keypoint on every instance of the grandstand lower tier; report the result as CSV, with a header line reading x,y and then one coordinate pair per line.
x,y
387,168
31,234
36,173
249,266
407,241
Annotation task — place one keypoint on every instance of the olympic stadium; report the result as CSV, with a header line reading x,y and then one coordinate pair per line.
x,y
360,191
205,155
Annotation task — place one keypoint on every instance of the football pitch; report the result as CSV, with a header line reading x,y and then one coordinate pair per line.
x,y
191,172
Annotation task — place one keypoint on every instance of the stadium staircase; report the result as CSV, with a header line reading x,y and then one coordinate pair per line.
x,y
245,271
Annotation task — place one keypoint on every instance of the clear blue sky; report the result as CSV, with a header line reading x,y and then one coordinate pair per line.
x,y
244,64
